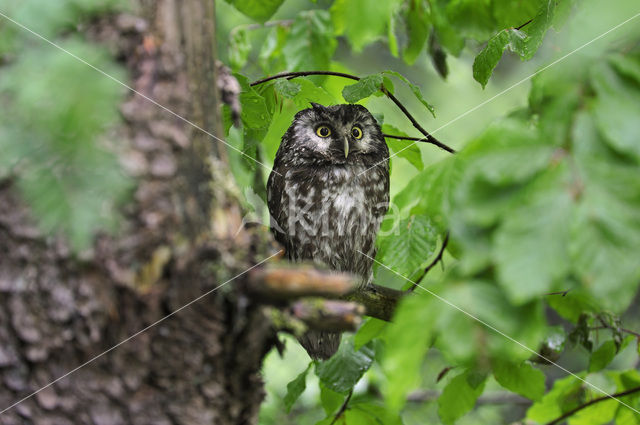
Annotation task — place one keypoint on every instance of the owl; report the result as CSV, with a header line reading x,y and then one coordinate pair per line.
x,y
328,193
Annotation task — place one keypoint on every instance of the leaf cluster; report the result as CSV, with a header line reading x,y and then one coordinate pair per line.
x,y
56,113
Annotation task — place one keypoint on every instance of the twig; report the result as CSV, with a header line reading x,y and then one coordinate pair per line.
x,y
419,139
422,396
290,75
623,330
432,264
563,293
592,402
427,135
343,407
525,24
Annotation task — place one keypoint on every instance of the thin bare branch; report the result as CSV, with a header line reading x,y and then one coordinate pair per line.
x,y
343,407
420,139
427,136
575,410
431,265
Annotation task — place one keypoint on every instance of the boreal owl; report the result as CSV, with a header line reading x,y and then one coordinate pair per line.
x,y
327,195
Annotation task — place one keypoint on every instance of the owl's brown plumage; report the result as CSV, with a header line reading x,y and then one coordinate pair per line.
x,y
325,199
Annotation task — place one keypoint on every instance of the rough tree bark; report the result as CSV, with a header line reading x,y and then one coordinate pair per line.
x,y
179,240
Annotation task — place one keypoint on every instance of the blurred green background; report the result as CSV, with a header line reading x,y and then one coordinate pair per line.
x,y
542,197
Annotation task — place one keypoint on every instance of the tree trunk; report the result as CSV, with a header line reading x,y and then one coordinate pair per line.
x,y
180,239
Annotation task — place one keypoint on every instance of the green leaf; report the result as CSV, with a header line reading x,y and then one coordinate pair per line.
x,y
460,395
409,246
601,357
521,378
628,66
364,88
407,340
428,193
295,389
538,27
489,57
239,48
449,36
406,148
414,89
286,88
53,126
597,414
530,246
487,302
373,414
566,394
513,14
345,368
260,10
310,43
418,27
573,304
606,227
362,21
371,329
330,399
616,110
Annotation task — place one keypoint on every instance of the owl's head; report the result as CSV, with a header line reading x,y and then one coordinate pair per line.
x,y
338,134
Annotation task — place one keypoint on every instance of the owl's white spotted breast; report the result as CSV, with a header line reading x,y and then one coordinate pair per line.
x,y
332,214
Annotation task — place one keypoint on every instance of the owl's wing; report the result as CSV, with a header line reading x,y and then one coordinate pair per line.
x,y
277,204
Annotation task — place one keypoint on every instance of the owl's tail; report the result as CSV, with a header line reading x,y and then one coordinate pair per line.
x,y
319,344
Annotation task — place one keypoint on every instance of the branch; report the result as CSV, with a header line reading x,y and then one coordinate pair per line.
x,y
282,283
328,315
445,242
290,75
379,301
343,407
563,293
422,396
420,139
592,402
427,135
525,24
287,282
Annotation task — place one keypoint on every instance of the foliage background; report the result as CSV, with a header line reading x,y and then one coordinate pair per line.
x,y
542,197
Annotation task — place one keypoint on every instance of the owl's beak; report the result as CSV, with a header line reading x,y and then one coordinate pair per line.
x,y
346,147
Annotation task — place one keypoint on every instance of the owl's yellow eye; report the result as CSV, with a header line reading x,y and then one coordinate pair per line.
x,y
323,131
356,132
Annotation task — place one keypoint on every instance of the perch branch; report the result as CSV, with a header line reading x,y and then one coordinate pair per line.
x,y
431,265
427,136
318,314
328,315
591,403
283,283
379,301
286,282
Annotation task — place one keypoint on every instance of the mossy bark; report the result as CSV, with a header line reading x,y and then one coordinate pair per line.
x,y
179,240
